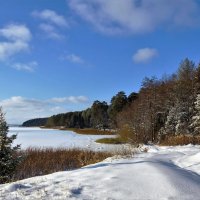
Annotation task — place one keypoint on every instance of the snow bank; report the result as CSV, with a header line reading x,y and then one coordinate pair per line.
x,y
189,162
162,173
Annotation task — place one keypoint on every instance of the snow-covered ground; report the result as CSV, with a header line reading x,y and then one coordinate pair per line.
x,y
162,173
37,137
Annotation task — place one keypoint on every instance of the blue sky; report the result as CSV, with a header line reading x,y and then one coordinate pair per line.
x,y
59,56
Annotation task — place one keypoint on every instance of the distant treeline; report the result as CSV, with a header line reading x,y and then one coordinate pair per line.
x,y
163,108
100,115
35,122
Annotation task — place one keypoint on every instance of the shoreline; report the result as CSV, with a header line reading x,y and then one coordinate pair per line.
x,y
84,131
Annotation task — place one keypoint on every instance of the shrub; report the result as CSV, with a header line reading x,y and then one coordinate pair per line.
x,y
116,140
38,162
90,131
130,135
180,140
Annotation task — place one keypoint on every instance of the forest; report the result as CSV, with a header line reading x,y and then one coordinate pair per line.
x,y
169,106
35,122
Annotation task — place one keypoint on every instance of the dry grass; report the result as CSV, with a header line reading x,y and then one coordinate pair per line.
x,y
90,131
38,162
180,140
116,140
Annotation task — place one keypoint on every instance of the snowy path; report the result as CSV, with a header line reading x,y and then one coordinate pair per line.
x,y
160,174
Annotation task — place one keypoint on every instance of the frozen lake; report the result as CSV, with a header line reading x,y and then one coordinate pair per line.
x,y
37,137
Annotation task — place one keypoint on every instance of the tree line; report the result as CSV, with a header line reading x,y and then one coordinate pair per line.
x,y
99,115
35,122
163,107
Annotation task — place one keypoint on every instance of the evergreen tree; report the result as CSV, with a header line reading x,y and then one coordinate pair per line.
x,y
171,122
195,126
132,97
99,114
8,158
118,102
197,80
185,95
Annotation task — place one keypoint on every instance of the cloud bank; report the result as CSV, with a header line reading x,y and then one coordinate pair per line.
x,y
19,109
136,16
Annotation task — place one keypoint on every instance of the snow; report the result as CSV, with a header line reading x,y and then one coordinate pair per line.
x,y
161,173
37,137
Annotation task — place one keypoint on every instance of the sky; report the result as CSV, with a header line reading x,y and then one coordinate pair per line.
x,y
58,56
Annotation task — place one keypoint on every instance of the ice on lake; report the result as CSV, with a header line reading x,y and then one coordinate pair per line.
x,y
37,137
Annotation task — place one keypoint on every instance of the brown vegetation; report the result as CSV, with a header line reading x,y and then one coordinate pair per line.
x,y
116,140
167,106
90,131
38,162
180,140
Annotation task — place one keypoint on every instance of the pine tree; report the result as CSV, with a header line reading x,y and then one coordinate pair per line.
x,y
118,102
8,158
171,122
185,97
195,126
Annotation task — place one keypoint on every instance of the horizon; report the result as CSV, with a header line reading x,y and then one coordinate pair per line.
x,y
61,57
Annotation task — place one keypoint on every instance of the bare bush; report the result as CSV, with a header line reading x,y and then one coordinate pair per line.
x,y
38,162
180,140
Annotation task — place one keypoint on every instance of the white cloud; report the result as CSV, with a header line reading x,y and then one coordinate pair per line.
x,y
136,16
8,49
144,55
75,59
71,99
51,23
16,39
51,31
20,102
16,32
29,67
51,16
19,109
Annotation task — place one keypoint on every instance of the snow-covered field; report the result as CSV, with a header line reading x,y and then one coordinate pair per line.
x,y
37,137
162,173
